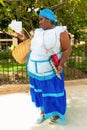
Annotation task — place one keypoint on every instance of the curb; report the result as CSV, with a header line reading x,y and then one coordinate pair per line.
x,y
7,89
14,88
76,82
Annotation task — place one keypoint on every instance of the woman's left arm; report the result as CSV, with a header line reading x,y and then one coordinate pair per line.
x,y
66,48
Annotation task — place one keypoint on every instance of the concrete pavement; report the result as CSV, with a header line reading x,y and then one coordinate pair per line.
x,y
18,113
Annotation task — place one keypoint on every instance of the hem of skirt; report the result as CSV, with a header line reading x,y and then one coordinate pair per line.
x,y
43,77
50,115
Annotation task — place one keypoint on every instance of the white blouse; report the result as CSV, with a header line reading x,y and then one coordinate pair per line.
x,y
43,45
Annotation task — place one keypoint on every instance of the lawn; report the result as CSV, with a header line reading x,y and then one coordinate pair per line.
x,y
11,66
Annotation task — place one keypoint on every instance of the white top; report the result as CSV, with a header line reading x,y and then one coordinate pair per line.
x,y
43,45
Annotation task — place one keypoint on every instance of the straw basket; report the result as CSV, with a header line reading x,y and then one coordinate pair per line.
x,y
21,51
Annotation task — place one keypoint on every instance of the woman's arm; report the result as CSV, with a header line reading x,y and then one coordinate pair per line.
x,y
66,48
22,37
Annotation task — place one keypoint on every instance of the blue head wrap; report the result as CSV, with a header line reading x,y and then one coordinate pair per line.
x,y
47,13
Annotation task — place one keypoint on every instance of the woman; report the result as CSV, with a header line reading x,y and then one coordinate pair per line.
x,y
47,90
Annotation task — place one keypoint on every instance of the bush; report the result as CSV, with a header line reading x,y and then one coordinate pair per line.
x,y
77,59
78,50
83,65
5,54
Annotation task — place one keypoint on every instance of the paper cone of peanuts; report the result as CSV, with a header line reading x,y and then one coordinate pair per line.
x,y
16,26
20,52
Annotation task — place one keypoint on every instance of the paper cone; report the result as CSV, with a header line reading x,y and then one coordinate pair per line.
x,y
16,26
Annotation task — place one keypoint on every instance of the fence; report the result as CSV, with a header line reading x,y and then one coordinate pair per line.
x,y
4,43
75,68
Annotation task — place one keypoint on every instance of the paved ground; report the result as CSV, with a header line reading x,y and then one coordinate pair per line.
x,y
18,113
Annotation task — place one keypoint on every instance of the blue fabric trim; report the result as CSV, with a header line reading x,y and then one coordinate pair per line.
x,y
49,115
41,108
36,67
47,94
36,90
53,94
44,77
39,60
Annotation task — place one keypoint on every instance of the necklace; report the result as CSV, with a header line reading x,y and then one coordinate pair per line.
x,y
47,50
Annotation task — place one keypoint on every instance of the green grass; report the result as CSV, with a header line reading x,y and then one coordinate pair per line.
x,y
11,66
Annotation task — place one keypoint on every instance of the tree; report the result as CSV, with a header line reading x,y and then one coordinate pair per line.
x,y
72,13
17,10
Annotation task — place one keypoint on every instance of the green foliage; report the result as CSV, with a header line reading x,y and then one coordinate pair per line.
x,y
2,3
72,13
9,62
11,66
78,50
78,65
5,54
77,59
71,63
17,10
83,65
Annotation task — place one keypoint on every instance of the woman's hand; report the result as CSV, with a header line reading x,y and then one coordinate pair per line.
x,y
21,36
59,69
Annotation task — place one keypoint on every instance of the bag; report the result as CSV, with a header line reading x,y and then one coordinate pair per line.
x,y
21,51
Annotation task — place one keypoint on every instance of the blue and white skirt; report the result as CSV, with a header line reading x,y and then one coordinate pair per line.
x,y
49,95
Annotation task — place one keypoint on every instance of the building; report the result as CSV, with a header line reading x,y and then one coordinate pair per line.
x,y
7,40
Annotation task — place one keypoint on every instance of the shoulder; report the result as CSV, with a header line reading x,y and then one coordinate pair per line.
x,y
38,30
60,29
64,35
65,40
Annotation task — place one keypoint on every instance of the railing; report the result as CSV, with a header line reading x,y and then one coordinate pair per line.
x,y
12,72
75,68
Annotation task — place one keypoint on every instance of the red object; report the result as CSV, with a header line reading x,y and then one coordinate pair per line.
x,y
55,59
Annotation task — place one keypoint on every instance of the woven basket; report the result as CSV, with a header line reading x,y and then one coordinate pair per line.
x,y
21,51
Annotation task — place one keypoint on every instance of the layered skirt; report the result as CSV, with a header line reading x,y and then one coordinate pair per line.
x,y
49,95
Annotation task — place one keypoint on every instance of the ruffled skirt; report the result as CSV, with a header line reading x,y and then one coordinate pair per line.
x,y
49,95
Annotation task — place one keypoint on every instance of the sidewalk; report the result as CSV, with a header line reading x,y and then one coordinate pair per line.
x,y
18,113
